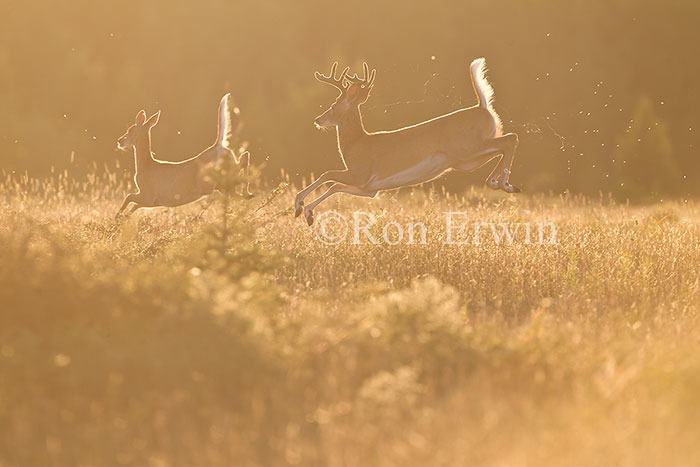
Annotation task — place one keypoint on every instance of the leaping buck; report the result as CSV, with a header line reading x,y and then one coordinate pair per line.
x,y
462,140
163,183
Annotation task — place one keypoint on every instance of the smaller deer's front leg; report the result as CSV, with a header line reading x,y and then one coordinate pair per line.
x,y
341,176
140,201
130,198
335,188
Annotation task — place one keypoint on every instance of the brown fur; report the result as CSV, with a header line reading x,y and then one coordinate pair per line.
x,y
462,140
169,184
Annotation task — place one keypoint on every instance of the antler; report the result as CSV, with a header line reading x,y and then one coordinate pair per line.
x,y
332,80
367,80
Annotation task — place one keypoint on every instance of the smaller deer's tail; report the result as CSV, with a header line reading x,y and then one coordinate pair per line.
x,y
224,122
484,91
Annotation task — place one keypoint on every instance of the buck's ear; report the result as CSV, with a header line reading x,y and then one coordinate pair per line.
x,y
140,117
153,120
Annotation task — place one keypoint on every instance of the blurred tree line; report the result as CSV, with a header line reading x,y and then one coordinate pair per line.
x,y
602,94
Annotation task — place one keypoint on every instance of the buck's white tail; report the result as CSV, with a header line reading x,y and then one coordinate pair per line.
x,y
484,91
224,122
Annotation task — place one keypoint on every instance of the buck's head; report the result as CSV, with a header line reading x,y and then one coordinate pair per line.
x,y
354,92
140,128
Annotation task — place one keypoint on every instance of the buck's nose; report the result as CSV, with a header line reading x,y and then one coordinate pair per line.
x,y
321,121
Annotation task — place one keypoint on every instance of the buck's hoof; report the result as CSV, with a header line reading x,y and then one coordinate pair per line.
x,y
250,195
309,217
508,188
511,189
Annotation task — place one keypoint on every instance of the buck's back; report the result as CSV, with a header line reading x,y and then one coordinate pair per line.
x,y
457,131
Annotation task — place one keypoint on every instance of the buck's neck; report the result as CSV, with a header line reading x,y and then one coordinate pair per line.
x,y
350,130
142,151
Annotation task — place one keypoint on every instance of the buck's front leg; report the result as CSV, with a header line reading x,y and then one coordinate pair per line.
x,y
335,188
341,176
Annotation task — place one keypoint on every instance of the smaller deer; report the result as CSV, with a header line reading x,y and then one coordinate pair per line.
x,y
162,183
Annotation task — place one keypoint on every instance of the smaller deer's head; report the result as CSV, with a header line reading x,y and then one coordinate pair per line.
x,y
354,91
138,130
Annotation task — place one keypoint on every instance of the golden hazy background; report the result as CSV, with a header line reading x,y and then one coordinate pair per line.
x,y
602,94
227,333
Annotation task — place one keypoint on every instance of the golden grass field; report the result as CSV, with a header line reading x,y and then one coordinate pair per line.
x,y
179,337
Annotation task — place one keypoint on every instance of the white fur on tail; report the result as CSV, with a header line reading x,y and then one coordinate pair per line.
x,y
224,122
484,91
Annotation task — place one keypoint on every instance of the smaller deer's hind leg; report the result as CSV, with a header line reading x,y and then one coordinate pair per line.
x,y
206,203
335,188
244,162
134,207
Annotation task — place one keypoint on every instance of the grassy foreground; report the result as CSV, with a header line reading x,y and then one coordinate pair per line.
x,y
179,337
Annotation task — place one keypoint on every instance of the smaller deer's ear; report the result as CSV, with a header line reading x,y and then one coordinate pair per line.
x,y
352,90
140,117
153,120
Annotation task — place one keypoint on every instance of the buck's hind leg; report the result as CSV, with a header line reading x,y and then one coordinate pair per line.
x,y
475,162
501,173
